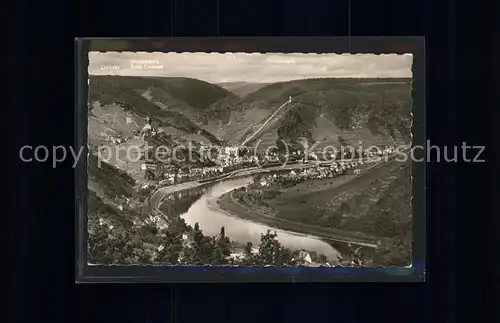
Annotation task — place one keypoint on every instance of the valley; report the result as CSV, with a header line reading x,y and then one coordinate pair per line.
x,y
140,114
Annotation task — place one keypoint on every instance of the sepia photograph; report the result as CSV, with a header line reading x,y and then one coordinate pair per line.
x,y
249,159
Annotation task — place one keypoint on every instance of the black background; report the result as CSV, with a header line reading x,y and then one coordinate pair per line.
x,y
460,75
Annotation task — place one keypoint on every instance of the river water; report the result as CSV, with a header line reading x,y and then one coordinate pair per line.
x,y
210,219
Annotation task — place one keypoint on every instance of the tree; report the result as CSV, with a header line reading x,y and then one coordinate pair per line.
x,y
282,146
198,236
221,250
271,252
196,255
396,250
202,252
392,252
144,257
98,244
148,230
248,249
269,248
172,242
224,246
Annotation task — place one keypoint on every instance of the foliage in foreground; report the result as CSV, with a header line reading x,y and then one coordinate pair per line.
x,y
180,244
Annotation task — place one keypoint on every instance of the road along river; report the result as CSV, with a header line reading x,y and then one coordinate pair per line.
x,y
211,218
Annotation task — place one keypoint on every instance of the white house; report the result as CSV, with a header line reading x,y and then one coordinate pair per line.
x,y
237,255
305,256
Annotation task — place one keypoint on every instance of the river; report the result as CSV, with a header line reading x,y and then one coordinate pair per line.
x,y
210,218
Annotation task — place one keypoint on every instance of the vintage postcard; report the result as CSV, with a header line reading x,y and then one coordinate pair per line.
x,y
249,159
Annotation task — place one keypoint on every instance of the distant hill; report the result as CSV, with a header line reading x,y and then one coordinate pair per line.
x,y
174,102
281,90
326,110
174,88
242,89
370,110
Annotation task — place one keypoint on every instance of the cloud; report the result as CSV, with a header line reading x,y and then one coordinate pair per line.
x,y
253,67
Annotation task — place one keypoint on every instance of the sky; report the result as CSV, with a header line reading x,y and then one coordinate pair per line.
x,y
253,67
